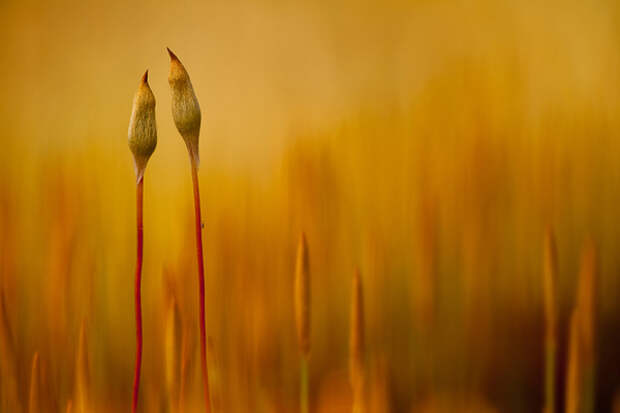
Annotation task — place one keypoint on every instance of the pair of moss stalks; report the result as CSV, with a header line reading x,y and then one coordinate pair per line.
x,y
302,319
142,137
579,396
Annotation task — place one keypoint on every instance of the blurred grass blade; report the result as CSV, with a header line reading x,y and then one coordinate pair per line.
x,y
9,397
586,304
357,345
550,305
172,349
82,373
573,368
34,397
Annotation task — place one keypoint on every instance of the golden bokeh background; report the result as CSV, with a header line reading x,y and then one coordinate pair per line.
x,y
429,143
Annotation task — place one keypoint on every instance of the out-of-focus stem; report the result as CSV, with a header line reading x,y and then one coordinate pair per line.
x,y
550,270
550,351
201,287
138,295
303,394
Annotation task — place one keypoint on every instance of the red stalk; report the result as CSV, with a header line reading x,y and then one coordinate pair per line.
x,y
201,282
138,296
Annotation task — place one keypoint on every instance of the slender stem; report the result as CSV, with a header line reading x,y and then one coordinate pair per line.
x,y
588,403
138,296
201,285
550,374
303,394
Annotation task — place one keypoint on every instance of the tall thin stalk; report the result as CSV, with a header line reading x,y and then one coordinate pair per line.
x,y
304,385
357,346
201,287
82,374
34,396
550,305
586,305
138,295
573,387
187,117
142,137
302,317
172,353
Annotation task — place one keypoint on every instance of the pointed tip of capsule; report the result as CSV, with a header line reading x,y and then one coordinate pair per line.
x,y
172,55
145,76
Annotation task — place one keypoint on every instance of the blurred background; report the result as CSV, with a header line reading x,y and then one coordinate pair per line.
x,y
427,143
